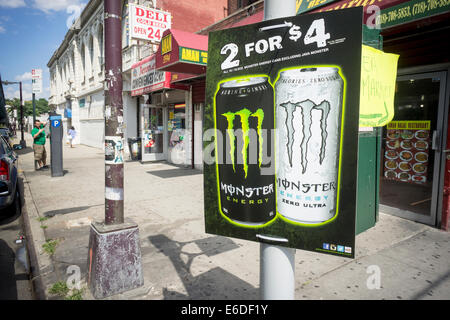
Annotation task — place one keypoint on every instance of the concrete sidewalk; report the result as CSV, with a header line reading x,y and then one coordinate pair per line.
x,y
181,261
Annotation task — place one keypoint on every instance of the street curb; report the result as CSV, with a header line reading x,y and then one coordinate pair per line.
x,y
40,263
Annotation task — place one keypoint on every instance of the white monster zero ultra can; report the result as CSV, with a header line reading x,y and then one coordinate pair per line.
x,y
308,121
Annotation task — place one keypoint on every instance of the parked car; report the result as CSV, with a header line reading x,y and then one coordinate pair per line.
x,y
10,202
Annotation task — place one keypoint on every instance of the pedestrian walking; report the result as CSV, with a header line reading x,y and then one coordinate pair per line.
x,y
72,133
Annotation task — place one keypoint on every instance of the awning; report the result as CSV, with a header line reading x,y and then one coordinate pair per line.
x,y
255,18
180,77
146,79
327,5
182,52
401,10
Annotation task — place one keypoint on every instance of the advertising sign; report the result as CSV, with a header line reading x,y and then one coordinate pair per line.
x,y
36,80
145,78
411,11
282,111
183,52
148,23
407,151
378,78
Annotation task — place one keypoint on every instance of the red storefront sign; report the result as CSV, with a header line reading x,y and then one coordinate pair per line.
x,y
146,79
182,52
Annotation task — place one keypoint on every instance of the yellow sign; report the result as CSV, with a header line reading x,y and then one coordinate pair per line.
x,y
409,125
193,55
166,58
166,44
378,77
190,55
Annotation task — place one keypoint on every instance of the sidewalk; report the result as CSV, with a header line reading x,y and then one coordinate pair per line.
x,y
181,261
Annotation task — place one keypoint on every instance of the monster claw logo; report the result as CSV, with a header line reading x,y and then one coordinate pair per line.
x,y
244,115
306,107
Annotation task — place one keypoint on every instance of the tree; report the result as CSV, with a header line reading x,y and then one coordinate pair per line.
x,y
41,106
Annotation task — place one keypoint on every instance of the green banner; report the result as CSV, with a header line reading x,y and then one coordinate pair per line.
x,y
410,11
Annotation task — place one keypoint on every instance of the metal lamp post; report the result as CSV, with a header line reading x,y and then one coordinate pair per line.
x,y
277,266
22,140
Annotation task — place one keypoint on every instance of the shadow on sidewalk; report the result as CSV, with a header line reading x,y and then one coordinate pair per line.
x,y
24,151
429,291
53,213
216,283
174,173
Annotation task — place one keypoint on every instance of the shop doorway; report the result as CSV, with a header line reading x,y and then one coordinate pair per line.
x,y
411,179
154,133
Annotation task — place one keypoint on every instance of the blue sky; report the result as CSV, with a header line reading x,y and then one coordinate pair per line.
x,y
30,32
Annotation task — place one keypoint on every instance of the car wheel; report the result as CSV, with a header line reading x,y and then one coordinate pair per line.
x,y
15,208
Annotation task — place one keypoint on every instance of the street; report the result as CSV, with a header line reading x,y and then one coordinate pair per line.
x,y
14,263
181,262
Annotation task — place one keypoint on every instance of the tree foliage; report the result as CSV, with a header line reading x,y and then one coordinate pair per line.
x,y
41,106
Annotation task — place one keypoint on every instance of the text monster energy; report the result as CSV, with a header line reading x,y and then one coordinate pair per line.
x,y
243,112
308,112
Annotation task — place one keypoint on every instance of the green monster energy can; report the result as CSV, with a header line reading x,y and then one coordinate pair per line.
x,y
244,114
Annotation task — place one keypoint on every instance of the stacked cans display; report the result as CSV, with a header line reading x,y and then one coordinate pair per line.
x,y
244,116
308,120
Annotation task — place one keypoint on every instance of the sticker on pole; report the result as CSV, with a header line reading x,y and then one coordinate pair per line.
x,y
113,150
282,103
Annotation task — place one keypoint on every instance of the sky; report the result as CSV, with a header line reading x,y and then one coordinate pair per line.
x,y
30,32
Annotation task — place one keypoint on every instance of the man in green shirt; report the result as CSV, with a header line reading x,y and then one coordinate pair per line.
x,y
40,155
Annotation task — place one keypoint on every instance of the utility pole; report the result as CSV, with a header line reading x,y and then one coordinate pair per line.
x,y
277,263
34,107
113,115
114,262
22,139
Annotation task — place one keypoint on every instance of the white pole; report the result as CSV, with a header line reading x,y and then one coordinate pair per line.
x,y
277,267
277,274
274,9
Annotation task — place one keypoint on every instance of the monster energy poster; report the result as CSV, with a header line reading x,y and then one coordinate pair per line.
x,y
281,131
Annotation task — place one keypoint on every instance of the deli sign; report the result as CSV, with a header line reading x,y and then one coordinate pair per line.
x,y
148,23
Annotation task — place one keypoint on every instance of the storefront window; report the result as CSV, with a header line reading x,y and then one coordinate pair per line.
x,y
177,132
408,156
153,135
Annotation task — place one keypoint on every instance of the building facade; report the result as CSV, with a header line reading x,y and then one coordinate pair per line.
x,y
77,66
